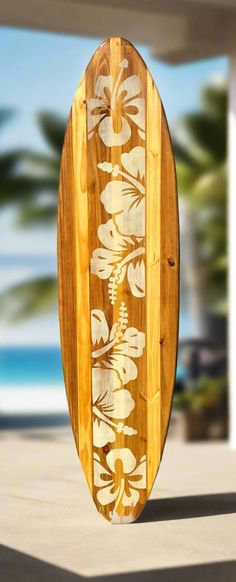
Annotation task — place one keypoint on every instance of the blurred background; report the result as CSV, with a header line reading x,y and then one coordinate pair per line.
x,y
39,73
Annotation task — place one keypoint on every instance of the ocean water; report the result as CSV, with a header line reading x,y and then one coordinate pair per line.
x,y
30,366
35,366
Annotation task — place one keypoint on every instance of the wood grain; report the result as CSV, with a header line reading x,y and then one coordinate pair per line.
x,y
153,276
118,228
73,266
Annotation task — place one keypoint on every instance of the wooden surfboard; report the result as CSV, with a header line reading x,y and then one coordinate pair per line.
x,y
118,259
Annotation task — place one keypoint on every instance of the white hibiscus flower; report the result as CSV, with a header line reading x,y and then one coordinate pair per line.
x,y
120,235
111,401
125,200
122,481
115,106
117,260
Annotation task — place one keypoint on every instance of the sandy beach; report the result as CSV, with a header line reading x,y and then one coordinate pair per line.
x,y
50,529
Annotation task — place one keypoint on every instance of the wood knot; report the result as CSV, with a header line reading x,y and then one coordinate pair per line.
x,y
162,341
82,102
171,261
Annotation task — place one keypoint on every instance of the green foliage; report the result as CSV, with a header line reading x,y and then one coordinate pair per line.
x,y
28,298
200,148
204,394
27,176
29,182
53,129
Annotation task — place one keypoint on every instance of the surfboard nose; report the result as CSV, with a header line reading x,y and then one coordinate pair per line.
x,y
118,263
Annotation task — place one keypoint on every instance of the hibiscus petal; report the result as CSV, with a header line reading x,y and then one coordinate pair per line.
x,y
131,499
126,368
134,162
99,327
136,278
111,238
133,344
104,381
124,455
102,434
95,112
122,404
138,477
132,221
132,86
118,196
99,472
109,136
103,261
107,495
103,82
139,117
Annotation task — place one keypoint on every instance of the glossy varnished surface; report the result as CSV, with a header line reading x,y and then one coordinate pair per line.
x,y
118,277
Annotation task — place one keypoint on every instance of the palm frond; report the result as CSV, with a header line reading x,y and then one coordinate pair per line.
x,y
206,133
36,215
19,188
28,299
38,163
53,129
215,100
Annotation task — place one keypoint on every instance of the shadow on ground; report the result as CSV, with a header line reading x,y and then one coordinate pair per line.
x,y
18,566
188,507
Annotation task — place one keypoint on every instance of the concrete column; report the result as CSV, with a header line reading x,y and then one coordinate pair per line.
x,y
232,247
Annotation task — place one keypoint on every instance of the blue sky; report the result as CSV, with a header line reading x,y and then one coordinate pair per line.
x,y
41,71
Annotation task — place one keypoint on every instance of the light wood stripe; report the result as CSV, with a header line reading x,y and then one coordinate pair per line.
x,y
67,276
169,295
73,265
82,280
153,238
